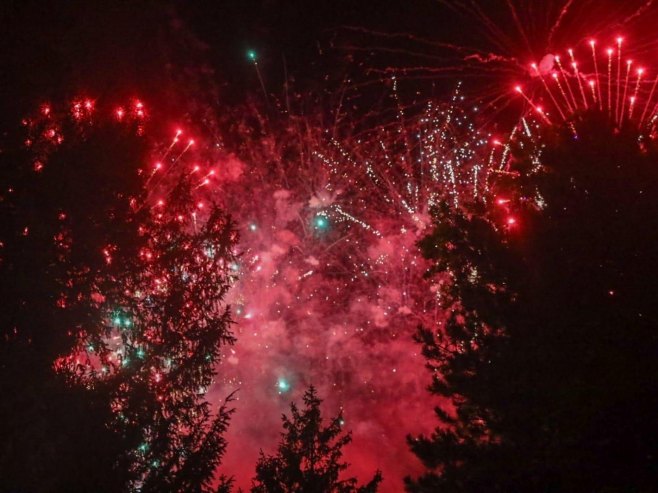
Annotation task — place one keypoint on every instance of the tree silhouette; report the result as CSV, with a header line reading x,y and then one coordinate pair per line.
x,y
112,314
546,363
308,457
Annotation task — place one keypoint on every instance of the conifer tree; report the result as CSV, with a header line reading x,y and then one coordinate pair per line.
x,y
113,316
546,364
309,455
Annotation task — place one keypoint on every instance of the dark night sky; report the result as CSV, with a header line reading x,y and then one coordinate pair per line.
x,y
59,48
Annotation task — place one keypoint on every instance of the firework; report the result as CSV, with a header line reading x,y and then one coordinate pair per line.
x,y
501,42
625,88
330,281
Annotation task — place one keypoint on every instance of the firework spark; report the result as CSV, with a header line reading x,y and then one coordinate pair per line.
x,y
626,88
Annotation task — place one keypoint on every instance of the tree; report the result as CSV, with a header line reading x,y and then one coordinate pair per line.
x,y
112,314
308,457
546,362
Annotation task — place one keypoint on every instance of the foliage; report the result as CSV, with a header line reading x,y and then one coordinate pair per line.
x,y
113,318
547,358
308,457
